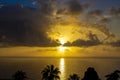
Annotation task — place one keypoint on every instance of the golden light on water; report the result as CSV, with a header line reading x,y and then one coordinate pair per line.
x,y
62,67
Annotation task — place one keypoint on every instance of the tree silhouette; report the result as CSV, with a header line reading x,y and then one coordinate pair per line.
x,y
91,74
113,76
73,77
50,73
19,75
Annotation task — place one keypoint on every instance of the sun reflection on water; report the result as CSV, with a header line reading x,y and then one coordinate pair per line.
x,y
62,68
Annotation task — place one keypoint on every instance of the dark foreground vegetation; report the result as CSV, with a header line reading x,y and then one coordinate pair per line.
x,y
50,72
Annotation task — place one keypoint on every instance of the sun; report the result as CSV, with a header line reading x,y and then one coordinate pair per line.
x,y
62,41
62,48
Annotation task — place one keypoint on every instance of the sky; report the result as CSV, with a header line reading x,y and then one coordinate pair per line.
x,y
50,23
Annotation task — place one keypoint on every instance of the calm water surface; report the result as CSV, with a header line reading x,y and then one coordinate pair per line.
x,y
67,66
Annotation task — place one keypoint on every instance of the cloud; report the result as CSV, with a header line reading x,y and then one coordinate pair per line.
x,y
92,41
114,11
115,43
24,26
74,7
70,8
105,20
47,6
95,13
83,43
33,26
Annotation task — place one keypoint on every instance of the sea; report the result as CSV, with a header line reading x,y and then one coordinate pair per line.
x,y
67,66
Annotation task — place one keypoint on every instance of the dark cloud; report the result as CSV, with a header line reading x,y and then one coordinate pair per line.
x,y
101,20
86,43
61,11
105,20
115,43
111,36
114,11
102,27
74,7
83,43
95,13
93,37
47,6
86,5
24,26
92,41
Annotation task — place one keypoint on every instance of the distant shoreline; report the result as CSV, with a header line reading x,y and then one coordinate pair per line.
x,y
14,57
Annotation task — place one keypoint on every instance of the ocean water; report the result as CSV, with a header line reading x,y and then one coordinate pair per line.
x,y
67,66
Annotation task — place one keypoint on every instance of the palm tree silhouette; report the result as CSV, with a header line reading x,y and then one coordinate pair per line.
x,y
50,73
113,76
19,75
73,77
91,74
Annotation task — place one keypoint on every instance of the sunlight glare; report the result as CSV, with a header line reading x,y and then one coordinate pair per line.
x,y
62,41
62,48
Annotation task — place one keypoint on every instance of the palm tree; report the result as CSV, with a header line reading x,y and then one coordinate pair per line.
x,y
113,76
91,74
50,73
19,75
74,77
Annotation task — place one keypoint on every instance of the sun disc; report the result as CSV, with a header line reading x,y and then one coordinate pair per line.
x,y
62,41
62,49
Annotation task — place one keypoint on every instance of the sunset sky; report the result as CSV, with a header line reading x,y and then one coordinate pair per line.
x,y
74,28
